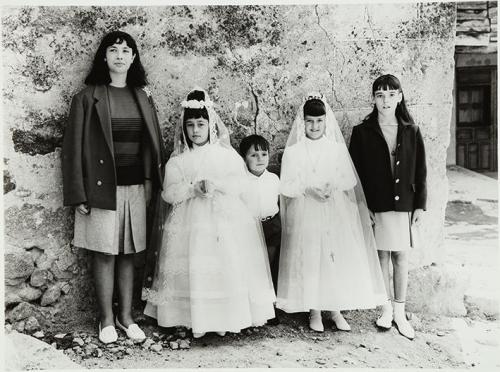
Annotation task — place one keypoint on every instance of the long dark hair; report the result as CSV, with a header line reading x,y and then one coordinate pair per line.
x,y
390,82
99,74
192,113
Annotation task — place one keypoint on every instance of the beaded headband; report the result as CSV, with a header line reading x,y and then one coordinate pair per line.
x,y
314,95
195,104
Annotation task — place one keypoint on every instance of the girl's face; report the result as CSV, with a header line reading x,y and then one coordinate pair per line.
x,y
386,101
257,160
314,126
119,57
197,130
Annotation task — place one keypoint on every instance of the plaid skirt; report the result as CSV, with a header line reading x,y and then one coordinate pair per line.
x,y
122,231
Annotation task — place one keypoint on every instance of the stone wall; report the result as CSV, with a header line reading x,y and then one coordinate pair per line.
x,y
257,62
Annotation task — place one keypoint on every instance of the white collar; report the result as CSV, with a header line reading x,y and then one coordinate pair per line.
x,y
263,175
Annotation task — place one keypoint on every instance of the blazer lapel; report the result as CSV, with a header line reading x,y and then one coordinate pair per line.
x,y
147,113
102,108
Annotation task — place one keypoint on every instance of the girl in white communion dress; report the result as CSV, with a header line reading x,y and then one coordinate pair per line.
x,y
213,272
328,254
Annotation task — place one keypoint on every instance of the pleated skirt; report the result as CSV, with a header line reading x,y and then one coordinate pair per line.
x,y
122,231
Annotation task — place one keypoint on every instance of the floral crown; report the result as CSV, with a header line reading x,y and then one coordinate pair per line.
x,y
314,95
195,104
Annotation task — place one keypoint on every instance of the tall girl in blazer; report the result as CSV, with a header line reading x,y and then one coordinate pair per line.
x,y
112,159
387,150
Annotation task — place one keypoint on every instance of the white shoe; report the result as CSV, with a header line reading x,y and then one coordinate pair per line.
x,y
108,334
385,319
198,335
315,321
222,334
340,322
133,331
402,324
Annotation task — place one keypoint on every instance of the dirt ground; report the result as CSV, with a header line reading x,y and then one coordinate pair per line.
x,y
440,343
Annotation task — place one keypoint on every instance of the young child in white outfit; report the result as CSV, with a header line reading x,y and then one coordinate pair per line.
x,y
262,195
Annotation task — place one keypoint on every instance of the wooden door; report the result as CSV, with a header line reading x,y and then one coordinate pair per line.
x,y
476,136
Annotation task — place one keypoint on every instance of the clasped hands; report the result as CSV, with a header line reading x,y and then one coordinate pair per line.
x,y
204,188
321,194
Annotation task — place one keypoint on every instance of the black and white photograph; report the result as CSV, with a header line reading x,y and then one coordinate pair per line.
x,y
250,184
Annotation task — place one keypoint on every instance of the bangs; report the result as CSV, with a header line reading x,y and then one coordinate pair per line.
x,y
190,113
118,37
386,82
261,146
258,143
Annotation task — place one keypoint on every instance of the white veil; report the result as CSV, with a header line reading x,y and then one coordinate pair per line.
x,y
218,132
356,209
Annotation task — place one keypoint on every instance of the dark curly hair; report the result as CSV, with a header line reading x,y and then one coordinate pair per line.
x,y
99,74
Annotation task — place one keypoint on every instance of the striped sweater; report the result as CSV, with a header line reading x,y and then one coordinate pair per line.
x,y
128,134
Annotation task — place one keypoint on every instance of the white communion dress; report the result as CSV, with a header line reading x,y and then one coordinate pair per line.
x,y
325,262
213,272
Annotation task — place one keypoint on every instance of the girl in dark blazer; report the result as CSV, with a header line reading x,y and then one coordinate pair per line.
x,y
112,160
388,152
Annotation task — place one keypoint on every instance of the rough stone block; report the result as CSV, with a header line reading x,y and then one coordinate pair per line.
x,y
40,277
18,267
438,290
23,352
22,311
21,292
471,14
479,5
51,295
31,324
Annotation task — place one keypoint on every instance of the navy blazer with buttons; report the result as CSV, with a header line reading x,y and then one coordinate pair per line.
x,y
406,189
88,166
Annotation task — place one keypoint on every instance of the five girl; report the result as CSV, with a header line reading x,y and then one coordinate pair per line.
x,y
213,267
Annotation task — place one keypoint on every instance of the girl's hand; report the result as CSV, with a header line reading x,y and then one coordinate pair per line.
x,y
417,215
372,217
199,188
204,188
83,208
148,190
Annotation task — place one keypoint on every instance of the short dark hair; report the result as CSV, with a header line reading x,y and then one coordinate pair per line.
x,y
314,107
258,143
192,113
99,74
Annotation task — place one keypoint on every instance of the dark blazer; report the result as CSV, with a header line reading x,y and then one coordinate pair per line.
x,y
406,190
87,153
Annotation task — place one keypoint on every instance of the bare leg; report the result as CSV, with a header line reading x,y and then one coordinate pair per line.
x,y
384,258
104,271
125,267
385,319
400,264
